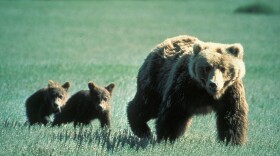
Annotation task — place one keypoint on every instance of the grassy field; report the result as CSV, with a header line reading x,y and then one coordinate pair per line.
x,y
107,41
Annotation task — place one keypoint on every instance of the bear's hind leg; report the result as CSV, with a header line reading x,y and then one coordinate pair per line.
x,y
172,124
138,115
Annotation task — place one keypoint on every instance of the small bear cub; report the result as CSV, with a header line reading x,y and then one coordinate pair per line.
x,y
87,105
46,101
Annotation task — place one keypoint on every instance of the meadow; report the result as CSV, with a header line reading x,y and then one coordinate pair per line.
x,y
107,41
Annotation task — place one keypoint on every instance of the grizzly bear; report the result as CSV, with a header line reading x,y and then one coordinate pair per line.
x,y
45,102
183,77
86,105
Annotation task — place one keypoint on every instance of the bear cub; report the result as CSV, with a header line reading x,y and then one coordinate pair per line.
x,y
45,102
86,105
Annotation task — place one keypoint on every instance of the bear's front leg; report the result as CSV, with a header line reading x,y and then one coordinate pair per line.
x,y
43,115
171,124
105,120
232,117
43,119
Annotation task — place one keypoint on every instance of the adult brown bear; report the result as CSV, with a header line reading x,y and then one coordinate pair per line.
x,y
184,76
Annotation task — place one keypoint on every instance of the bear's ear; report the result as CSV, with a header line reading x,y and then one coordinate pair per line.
x,y
110,87
197,48
51,83
236,50
91,86
66,85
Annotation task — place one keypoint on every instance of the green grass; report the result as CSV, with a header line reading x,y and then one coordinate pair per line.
x,y
107,41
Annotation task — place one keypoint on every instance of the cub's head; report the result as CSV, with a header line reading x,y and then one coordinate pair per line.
x,y
101,96
57,94
217,66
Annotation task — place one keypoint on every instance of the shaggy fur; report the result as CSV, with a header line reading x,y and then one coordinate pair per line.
x,y
45,102
87,105
184,76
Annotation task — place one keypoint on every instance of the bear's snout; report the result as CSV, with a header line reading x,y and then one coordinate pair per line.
x,y
103,106
215,81
56,108
213,86
57,104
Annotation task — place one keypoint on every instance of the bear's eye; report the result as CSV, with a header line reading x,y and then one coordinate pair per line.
x,y
57,95
105,99
223,69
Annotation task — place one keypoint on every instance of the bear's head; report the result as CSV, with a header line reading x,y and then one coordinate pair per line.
x,y
101,96
57,94
216,66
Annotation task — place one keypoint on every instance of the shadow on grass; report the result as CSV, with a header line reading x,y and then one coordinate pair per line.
x,y
255,8
106,139
12,124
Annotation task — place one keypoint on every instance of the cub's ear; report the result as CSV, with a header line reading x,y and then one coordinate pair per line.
x,y
66,85
110,87
236,50
51,83
91,86
197,48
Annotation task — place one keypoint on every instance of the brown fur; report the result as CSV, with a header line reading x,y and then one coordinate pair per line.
x,y
45,102
87,105
184,76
